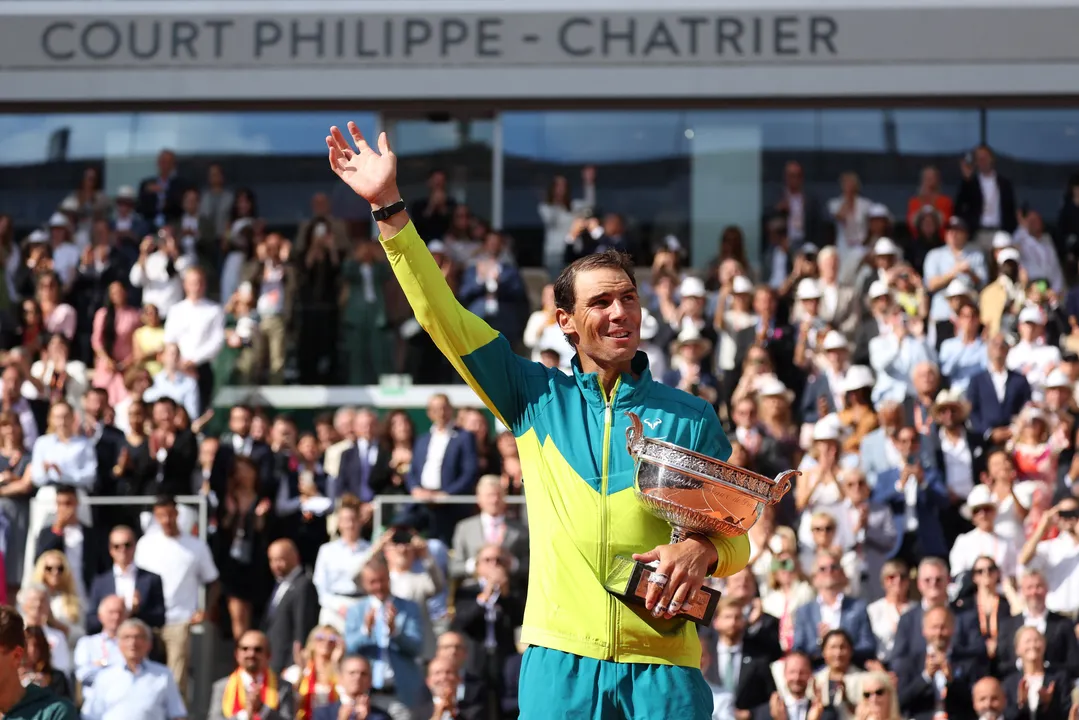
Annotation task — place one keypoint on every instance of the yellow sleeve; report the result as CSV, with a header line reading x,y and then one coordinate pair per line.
x,y
733,555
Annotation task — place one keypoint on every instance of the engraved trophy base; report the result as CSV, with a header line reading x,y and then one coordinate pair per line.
x,y
628,581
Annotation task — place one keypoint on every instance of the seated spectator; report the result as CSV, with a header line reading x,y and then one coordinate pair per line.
x,y
53,571
338,564
451,695
796,699
932,585
916,495
1033,688
316,674
761,637
293,607
839,682
490,526
56,376
253,689
690,365
185,564
355,697
933,679
787,590
94,653
140,590
739,680
37,667
16,487
988,699
33,603
387,631
171,382
112,341
833,610
147,342
885,613
1058,558
983,540
443,463
878,699
1035,452
990,610
137,688
1061,648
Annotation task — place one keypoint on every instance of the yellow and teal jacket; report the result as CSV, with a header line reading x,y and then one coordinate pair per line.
x,y
578,475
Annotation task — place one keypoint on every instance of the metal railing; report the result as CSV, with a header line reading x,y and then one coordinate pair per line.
x,y
380,500
201,672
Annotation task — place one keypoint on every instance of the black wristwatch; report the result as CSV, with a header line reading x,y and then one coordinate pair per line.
x,y
387,212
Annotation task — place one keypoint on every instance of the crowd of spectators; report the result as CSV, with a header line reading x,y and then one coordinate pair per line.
x,y
921,373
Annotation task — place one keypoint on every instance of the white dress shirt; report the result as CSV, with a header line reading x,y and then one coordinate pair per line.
x,y
831,615
958,464
336,567
431,475
125,584
184,564
884,620
1033,360
94,653
990,200
149,693
728,668
972,545
1058,559
1000,382
198,328
75,460
160,289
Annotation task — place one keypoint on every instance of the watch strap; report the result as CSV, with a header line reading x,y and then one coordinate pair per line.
x,y
385,213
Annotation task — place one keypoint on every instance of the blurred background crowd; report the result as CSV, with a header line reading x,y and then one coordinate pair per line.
x,y
916,361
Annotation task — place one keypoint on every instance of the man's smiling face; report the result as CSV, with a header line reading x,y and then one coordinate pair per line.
x,y
605,322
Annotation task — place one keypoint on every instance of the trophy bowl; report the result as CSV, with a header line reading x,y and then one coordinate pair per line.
x,y
694,494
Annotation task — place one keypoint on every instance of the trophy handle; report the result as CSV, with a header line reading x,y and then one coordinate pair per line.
x,y
634,434
782,485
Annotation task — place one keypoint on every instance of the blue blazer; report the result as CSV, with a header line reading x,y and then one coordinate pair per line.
x,y
986,412
151,598
932,499
910,641
405,645
329,712
511,296
852,618
458,464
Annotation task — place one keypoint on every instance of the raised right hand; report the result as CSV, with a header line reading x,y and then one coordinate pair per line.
x,y
372,175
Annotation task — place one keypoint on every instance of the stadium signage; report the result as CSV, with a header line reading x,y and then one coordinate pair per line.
x,y
464,40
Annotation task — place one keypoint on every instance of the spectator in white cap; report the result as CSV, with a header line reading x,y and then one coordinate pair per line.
x,y
857,418
823,392
1060,404
981,509
657,356
850,211
810,325
1003,299
779,444
875,323
65,254
956,451
690,313
880,224
690,370
894,355
963,356
886,255
944,264
1038,253
1032,357
734,313
957,292
839,305
128,224
818,488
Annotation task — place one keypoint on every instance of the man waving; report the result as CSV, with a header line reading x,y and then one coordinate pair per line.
x,y
602,657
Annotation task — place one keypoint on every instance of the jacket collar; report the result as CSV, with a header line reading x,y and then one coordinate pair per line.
x,y
632,386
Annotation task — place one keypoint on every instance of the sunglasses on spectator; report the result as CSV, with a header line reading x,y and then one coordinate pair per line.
x,y
879,692
893,576
982,508
496,560
1069,514
120,545
986,570
787,564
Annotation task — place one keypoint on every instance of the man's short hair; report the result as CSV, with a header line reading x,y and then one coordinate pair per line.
x,y
350,502
565,290
67,490
31,589
12,629
494,481
164,501
728,603
138,625
933,562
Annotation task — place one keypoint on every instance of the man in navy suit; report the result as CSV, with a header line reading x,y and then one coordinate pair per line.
x,y
443,463
238,441
917,511
140,589
933,678
996,395
365,467
354,681
933,587
831,610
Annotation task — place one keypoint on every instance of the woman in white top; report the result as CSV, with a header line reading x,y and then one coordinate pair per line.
x,y
734,313
54,572
1034,689
1013,500
542,331
851,214
818,489
884,613
879,699
785,591
56,376
405,582
558,211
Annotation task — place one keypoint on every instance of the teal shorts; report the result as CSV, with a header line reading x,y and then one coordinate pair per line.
x,y
559,685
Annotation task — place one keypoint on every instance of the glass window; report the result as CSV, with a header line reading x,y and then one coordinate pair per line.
x,y
1037,149
43,156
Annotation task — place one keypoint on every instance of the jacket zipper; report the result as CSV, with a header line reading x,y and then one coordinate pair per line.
x,y
612,606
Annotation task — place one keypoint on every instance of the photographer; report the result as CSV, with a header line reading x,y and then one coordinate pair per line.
x,y
158,271
587,235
